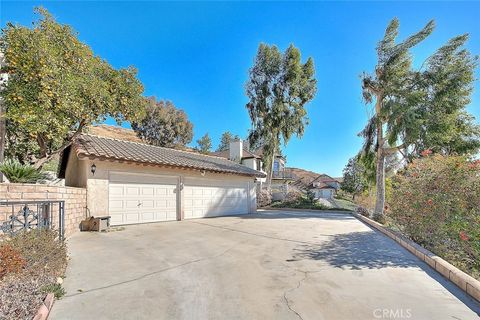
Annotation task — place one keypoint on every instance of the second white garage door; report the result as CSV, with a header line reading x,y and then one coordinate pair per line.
x,y
209,198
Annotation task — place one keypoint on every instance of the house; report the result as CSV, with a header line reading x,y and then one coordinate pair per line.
x,y
324,186
136,183
238,151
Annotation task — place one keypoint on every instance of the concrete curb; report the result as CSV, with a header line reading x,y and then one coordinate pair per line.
x,y
303,210
44,310
468,284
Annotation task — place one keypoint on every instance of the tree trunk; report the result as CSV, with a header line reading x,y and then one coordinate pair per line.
x,y
380,173
2,134
380,180
270,173
3,128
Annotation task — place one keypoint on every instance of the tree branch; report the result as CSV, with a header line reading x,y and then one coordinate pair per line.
x,y
41,162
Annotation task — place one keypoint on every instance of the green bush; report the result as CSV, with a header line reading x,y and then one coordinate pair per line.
x,y
436,202
20,173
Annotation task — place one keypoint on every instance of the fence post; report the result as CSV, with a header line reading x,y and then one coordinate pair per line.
x,y
61,217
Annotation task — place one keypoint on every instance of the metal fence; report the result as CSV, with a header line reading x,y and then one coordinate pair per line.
x,y
27,215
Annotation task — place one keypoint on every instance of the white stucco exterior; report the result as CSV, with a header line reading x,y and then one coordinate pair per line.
x,y
78,173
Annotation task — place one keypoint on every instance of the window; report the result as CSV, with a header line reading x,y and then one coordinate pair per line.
x,y
276,166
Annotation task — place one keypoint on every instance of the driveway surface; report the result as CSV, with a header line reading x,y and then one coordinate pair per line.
x,y
271,265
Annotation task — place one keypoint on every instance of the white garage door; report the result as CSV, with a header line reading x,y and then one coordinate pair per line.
x,y
209,198
141,198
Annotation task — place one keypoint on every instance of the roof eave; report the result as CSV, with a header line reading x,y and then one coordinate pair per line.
x,y
83,155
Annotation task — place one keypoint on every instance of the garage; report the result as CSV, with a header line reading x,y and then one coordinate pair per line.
x,y
134,182
135,198
210,198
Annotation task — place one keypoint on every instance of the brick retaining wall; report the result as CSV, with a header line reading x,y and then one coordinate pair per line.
x,y
75,201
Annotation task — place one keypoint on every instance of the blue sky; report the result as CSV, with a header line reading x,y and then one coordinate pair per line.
x,y
197,54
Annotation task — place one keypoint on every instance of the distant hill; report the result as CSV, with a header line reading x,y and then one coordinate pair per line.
x,y
114,132
305,175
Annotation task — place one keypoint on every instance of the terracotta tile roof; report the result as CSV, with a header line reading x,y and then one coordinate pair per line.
x,y
226,154
95,147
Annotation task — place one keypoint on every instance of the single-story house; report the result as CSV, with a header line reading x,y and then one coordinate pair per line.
x,y
136,183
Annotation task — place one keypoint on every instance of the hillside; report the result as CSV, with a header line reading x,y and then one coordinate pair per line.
x,y
114,132
305,175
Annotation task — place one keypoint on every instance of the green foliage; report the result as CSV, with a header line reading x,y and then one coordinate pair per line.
x,y
225,140
417,109
55,288
204,144
57,86
355,177
51,165
20,173
435,201
310,196
279,87
164,125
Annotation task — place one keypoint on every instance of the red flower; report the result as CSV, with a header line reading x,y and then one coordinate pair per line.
x,y
463,236
430,201
425,153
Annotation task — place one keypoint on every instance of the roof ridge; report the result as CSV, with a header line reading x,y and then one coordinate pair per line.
x,y
150,145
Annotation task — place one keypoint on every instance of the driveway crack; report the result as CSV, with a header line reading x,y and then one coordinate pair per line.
x,y
287,301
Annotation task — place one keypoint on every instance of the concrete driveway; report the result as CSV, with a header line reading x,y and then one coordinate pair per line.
x,y
272,265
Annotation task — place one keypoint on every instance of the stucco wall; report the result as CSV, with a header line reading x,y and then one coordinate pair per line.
x,y
77,171
97,184
75,201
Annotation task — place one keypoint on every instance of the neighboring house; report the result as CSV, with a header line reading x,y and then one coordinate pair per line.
x,y
324,186
238,151
137,183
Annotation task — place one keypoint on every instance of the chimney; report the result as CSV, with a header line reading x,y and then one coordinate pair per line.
x,y
236,150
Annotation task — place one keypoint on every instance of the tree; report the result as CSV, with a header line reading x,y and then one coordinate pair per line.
x,y
279,87
225,140
3,132
204,144
447,128
405,99
164,125
57,87
354,177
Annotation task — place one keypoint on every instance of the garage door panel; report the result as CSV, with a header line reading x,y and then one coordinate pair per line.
x,y
147,191
132,191
116,190
132,202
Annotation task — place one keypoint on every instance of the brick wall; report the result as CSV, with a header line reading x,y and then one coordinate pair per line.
x,y
75,201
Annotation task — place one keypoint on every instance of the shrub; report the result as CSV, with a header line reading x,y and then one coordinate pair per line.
x,y
311,196
56,288
293,195
20,173
363,211
436,202
44,260
264,198
11,260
